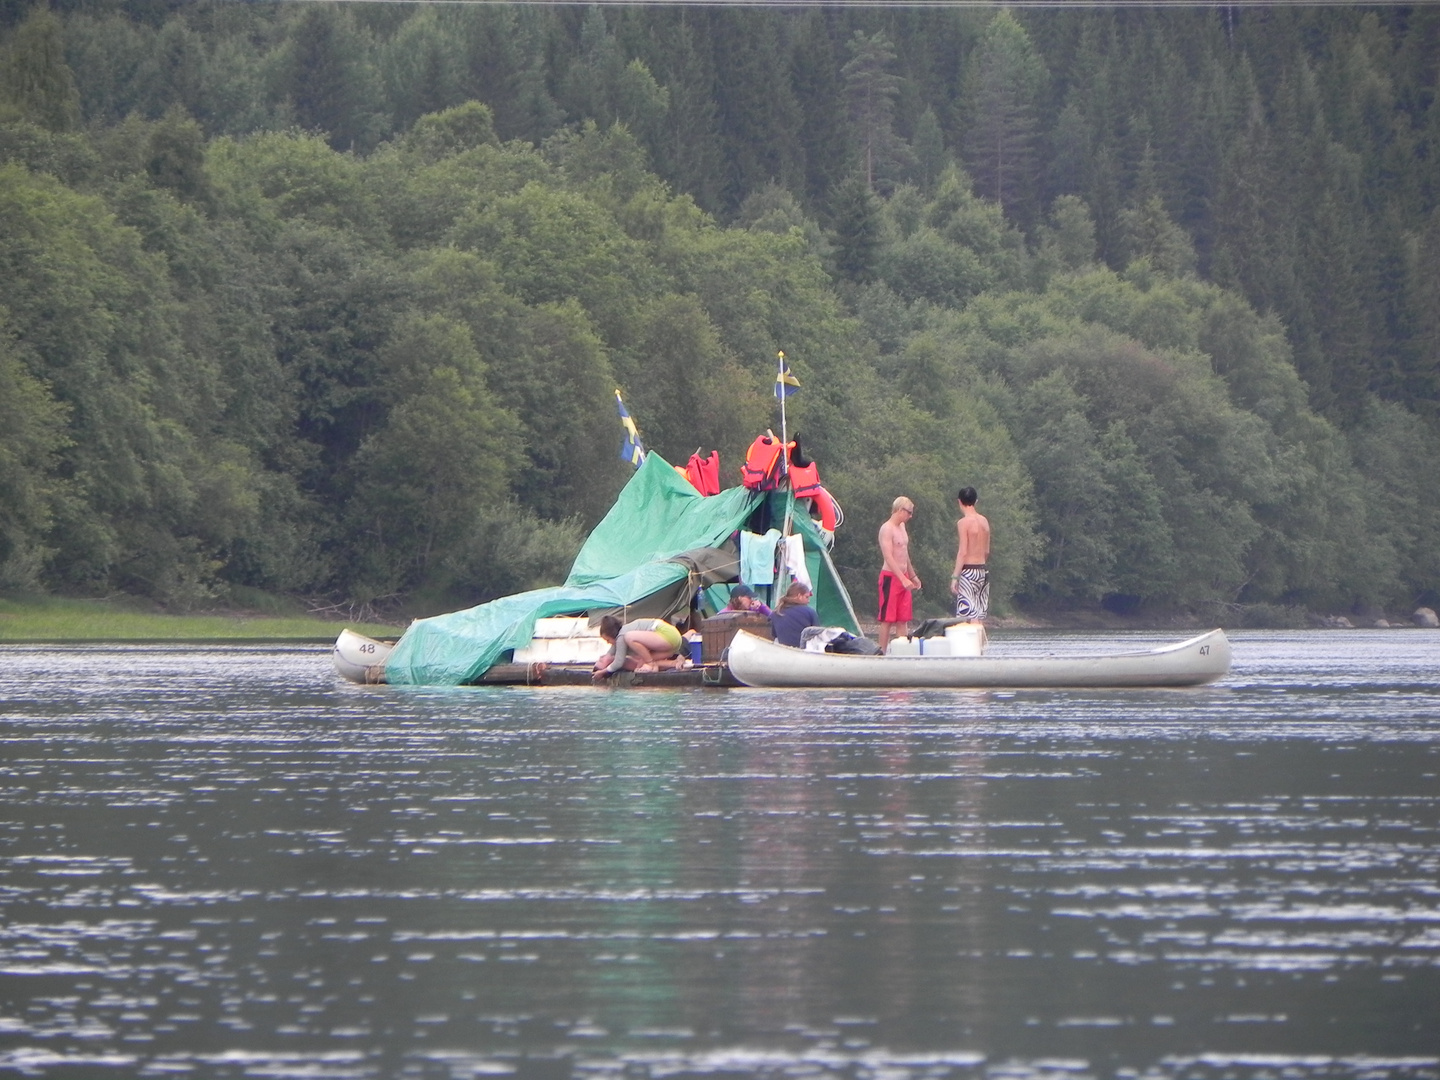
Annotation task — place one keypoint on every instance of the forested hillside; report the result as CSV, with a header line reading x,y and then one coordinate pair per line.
x,y
332,300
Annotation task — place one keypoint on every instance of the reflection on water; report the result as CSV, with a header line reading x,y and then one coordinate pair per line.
x,y
225,863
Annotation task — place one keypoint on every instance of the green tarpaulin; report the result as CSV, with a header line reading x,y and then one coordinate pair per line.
x,y
627,559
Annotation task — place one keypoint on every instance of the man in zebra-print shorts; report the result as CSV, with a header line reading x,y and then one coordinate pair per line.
x,y
971,581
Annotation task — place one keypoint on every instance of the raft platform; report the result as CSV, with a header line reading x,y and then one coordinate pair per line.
x,y
361,659
579,675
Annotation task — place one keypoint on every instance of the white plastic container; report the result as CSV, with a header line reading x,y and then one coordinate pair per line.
x,y
563,639
564,626
967,639
964,640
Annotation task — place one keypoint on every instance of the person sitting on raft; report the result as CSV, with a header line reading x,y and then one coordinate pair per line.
x,y
793,615
743,598
641,645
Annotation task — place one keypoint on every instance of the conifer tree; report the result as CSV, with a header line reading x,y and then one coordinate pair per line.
x,y
1148,232
177,73
856,229
34,78
1256,243
585,84
1003,88
422,67
824,133
870,89
1218,116
1067,242
332,86
688,152
504,51
759,119
931,157
1084,139
1070,149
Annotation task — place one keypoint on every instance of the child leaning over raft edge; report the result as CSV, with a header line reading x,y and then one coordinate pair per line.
x,y
641,645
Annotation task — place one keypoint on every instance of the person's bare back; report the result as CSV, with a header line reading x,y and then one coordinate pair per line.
x,y
974,530
971,581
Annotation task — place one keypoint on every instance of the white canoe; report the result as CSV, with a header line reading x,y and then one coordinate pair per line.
x,y
359,658
757,662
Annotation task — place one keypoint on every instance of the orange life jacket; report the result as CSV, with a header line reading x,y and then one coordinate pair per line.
x,y
805,483
762,468
704,473
804,479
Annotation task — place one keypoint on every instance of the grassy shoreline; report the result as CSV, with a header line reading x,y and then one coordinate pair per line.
x,y
50,620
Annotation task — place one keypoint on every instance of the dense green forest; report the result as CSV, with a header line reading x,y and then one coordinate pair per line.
x,y
332,300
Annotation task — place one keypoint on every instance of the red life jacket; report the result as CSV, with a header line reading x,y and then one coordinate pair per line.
x,y
804,479
704,473
762,468
805,483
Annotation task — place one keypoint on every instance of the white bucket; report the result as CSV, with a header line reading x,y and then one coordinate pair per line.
x,y
967,639
903,646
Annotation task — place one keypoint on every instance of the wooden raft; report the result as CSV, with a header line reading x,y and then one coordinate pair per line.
x,y
579,675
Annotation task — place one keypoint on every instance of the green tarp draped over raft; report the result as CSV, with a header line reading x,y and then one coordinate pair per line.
x,y
629,557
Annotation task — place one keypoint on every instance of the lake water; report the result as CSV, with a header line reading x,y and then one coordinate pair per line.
x,y
224,862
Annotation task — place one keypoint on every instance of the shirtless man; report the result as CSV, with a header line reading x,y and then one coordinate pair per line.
x,y
898,578
971,581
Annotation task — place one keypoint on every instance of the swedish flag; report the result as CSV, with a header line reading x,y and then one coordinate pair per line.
x,y
632,449
785,383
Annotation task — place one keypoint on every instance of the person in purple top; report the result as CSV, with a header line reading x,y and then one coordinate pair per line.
x,y
743,598
793,614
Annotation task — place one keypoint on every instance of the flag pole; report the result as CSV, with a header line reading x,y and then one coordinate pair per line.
x,y
780,577
784,434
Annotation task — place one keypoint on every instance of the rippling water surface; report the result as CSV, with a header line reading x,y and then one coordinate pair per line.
x,y
224,862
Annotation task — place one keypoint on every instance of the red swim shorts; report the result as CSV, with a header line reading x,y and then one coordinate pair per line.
x,y
895,600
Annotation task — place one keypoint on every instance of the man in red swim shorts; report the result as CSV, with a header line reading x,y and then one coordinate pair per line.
x,y
898,578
